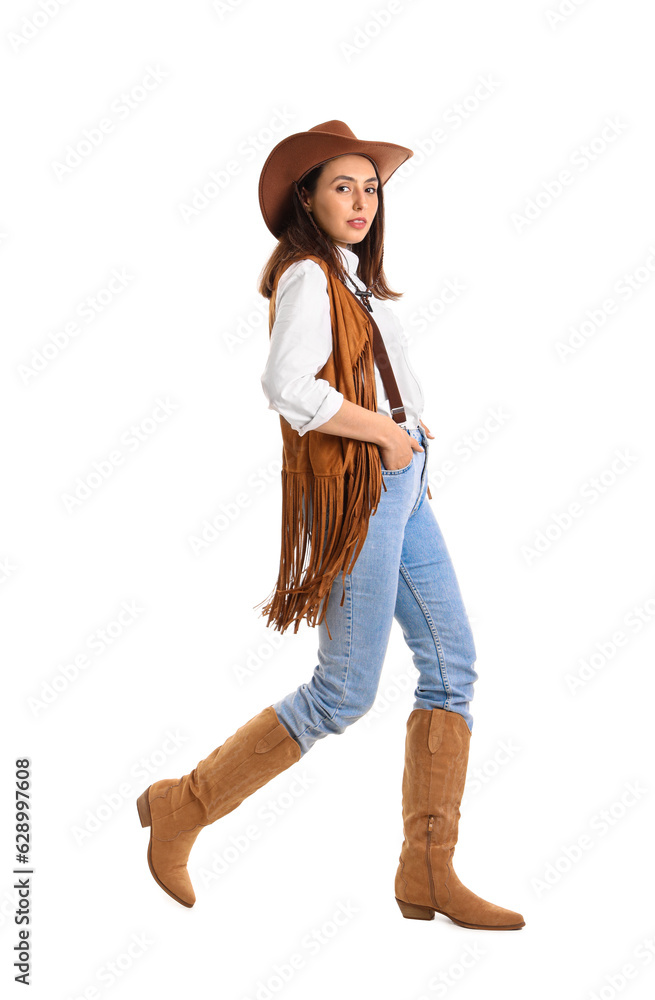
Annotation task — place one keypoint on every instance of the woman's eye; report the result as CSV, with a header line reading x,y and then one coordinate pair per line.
x,y
341,186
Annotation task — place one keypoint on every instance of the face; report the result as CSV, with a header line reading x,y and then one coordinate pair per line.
x,y
346,191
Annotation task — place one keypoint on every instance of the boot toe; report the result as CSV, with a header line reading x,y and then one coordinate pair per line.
x,y
173,879
470,910
479,913
178,885
499,917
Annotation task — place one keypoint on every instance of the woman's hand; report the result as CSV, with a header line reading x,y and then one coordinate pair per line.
x,y
399,450
396,454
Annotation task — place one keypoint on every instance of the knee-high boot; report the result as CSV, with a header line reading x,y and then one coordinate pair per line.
x,y
176,809
436,759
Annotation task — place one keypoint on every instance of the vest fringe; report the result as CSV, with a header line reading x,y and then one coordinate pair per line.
x,y
341,505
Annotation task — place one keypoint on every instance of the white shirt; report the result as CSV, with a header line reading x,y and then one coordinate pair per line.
x,y
301,343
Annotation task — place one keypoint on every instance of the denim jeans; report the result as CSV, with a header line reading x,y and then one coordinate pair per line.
x,y
404,572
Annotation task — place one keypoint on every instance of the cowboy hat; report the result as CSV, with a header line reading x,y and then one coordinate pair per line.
x,y
294,156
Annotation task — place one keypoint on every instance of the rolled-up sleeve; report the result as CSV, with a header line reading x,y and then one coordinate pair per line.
x,y
300,344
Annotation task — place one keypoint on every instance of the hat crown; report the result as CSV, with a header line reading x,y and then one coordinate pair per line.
x,y
334,127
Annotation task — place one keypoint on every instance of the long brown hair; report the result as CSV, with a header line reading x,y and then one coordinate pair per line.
x,y
302,236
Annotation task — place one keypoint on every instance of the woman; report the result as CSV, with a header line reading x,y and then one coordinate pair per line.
x,y
360,544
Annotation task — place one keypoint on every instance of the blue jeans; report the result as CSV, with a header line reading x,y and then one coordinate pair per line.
x,y
404,572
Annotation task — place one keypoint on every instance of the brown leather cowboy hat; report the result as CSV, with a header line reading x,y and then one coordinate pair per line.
x,y
290,160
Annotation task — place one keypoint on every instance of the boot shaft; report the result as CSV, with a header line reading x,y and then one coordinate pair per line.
x,y
436,760
259,750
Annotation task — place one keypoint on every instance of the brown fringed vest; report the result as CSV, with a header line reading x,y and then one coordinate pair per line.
x,y
340,477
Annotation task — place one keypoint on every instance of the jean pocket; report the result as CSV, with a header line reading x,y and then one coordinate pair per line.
x,y
396,472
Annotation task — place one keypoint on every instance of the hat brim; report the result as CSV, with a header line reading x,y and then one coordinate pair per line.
x,y
294,156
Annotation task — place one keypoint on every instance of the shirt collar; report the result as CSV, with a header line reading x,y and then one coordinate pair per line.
x,y
350,258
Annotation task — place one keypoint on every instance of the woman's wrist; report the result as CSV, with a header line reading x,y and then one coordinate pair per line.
x,y
354,421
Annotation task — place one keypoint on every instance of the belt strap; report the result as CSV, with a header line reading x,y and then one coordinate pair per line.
x,y
383,362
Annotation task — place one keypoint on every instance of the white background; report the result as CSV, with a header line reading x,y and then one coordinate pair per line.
x,y
189,327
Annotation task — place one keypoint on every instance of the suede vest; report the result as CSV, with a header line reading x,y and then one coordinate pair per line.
x,y
336,480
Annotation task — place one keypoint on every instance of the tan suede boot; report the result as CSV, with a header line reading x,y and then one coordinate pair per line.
x,y
176,809
436,759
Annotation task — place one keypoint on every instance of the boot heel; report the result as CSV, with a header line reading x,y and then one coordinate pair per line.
x,y
414,911
143,805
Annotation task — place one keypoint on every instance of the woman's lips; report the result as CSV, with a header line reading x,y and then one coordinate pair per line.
x,y
356,223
